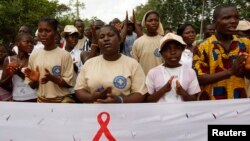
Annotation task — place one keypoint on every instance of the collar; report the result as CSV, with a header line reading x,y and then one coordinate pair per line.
x,y
214,40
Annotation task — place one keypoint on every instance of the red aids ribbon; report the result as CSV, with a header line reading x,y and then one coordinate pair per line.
x,y
103,129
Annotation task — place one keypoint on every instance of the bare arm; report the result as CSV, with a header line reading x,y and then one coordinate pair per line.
x,y
94,43
124,28
206,79
6,78
87,97
132,98
138,29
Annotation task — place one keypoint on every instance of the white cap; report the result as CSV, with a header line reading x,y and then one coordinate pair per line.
x,y
243,25
171,37
70,29
36,33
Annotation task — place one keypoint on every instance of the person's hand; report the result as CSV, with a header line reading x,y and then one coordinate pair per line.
x,y
239,64
247,64
47,77
93,32
167,87
133,17
33,75
101,93
12,68
126,18
111,98
118,26
179,90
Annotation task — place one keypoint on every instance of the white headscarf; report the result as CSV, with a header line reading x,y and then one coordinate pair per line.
x,y
160,30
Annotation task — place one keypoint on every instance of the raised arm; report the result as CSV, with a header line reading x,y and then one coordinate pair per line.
x,y
138,29
124,28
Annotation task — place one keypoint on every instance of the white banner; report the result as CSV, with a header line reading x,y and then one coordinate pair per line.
x,y
187,121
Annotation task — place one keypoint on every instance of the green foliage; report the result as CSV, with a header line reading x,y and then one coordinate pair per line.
x,y
77,5
66,19
14,13
142,9
174,12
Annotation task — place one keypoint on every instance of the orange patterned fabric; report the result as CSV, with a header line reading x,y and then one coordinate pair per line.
x,y
211,57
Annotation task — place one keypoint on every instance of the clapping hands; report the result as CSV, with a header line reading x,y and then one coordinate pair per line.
x,y
106,96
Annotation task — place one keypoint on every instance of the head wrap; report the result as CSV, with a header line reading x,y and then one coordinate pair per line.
x,y
160,30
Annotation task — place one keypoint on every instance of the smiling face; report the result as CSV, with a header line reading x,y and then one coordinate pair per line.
x,y
109,41
227,21
171,53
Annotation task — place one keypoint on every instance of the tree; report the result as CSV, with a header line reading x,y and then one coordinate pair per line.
x,y
77,4
62,8
142,9
14,13
174,12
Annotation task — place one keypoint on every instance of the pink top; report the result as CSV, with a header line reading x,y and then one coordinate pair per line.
x,y
158,77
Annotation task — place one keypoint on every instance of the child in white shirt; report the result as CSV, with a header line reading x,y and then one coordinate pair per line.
x,y
171,81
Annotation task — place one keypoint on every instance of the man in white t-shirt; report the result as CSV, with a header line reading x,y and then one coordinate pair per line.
x,y
83,41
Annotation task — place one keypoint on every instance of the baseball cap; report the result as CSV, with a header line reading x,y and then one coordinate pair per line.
x,y
243,25
70,29
171,37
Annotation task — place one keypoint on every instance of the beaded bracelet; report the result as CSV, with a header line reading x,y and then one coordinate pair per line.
x,y
121,99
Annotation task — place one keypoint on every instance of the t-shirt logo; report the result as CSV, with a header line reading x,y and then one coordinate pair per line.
x,y
120,82
56,70
157,52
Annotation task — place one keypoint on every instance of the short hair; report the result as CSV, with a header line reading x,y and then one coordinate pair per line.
x,y
25,29
78,20
218,9
113,29
21,35
116,20
205,25
52,22
98,23
182,27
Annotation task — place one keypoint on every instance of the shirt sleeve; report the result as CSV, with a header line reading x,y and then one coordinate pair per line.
x,y
81,78
67,69
134,52
150,83
201,60
194,86
138,80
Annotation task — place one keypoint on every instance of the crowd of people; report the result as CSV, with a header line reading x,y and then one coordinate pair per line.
x,y
118,63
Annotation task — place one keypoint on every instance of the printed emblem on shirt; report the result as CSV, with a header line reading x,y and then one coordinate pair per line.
x,y
157,52
56,70
120,82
